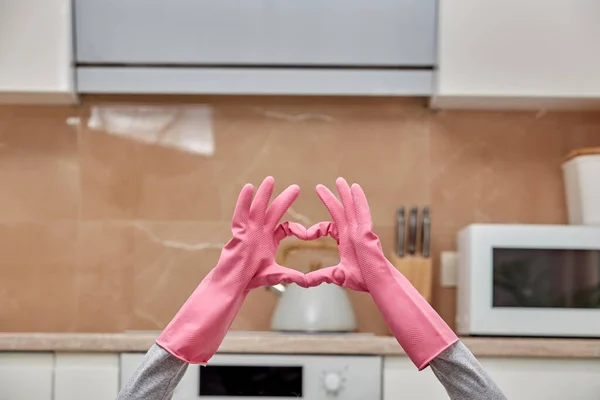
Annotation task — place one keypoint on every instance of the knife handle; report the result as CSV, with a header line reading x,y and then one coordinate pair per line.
x,y
412,230
400,232
426,232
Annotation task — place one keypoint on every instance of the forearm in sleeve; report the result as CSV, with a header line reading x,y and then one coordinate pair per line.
x,y
156,377
462,375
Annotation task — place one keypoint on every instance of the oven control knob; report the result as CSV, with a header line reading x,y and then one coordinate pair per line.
x,y
332,381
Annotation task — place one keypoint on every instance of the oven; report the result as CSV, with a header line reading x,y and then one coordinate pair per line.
x,y
262,376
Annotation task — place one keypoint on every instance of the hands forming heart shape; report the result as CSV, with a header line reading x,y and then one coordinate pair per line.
x,y
257,234
248,261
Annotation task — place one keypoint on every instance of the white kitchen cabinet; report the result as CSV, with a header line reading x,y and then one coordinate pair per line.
x,y
36,52
86,376
519,379
26,376
543,378
518,54
402,381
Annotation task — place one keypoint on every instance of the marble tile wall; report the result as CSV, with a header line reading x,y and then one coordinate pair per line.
x,y
102,231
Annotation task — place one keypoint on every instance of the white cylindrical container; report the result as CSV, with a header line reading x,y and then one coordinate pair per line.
x,y
581,172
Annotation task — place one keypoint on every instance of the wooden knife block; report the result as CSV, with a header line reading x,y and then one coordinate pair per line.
x,y
418,270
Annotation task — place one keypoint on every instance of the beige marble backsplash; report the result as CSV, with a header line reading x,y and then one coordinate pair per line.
x,y
103,230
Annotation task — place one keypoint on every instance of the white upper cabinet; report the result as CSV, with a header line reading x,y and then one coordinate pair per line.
x,y
518,53
36,51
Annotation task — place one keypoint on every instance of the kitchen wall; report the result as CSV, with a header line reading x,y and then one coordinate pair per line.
x,y
103,233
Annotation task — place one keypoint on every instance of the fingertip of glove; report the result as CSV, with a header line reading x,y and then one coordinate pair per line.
x,y
269,180
356,188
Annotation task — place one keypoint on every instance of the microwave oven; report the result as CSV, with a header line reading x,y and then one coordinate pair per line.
x,y
528,280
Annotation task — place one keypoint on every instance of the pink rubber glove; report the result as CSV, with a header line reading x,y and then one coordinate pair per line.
x,y
421,332
247,261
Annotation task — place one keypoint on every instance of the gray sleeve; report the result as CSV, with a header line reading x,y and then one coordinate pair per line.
x,y
462,375
156,377
456,368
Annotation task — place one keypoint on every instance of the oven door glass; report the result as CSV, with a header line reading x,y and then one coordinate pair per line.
x,y
251,381
546,278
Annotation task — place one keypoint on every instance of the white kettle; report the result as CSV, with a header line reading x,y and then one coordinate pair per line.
x,y
323,308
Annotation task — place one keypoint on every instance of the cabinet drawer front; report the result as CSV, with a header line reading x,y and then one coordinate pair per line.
x,y
257,32
251,81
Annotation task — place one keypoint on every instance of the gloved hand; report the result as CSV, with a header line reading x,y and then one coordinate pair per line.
x,y
247,261
421,332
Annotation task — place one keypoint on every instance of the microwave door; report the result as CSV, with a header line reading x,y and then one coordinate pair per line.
x,y
580,283
567,277
521,278
546,278
586,282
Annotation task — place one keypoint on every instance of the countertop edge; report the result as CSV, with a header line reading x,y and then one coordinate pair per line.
x,y
273,343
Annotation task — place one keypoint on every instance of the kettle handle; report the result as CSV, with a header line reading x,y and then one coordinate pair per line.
x,y
288,248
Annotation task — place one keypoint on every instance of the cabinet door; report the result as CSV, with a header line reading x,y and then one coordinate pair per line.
x,y
548,379
86,376
402,380
36,52
26,376
257,32
519,48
